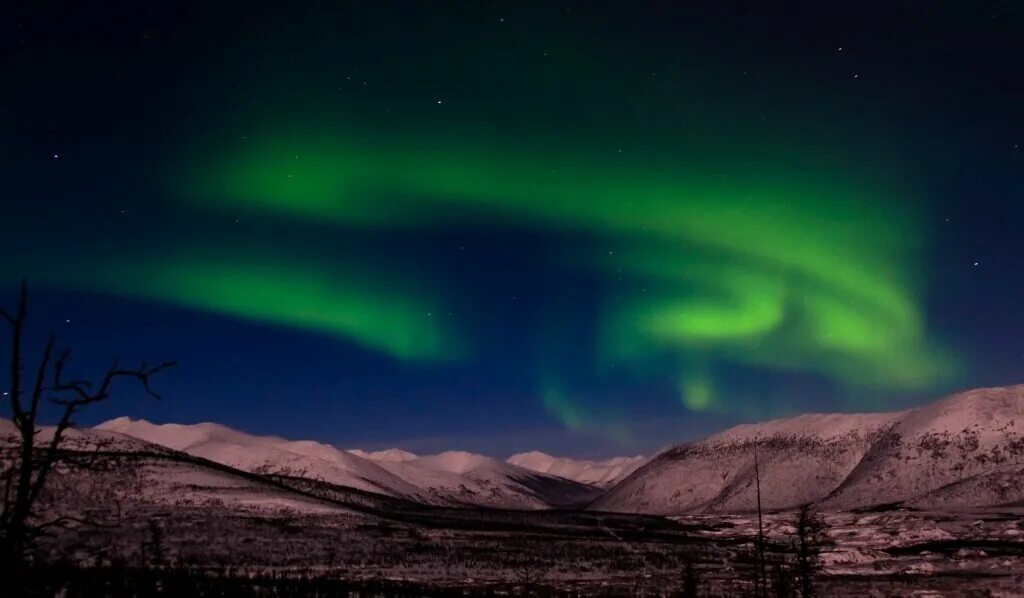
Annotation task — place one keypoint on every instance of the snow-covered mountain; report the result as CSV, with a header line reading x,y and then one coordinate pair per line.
x,y
392,455
965,450
595,473
449,478
265,454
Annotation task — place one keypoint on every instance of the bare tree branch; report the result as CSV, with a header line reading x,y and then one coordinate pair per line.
x,y
40,388
29,467
17,325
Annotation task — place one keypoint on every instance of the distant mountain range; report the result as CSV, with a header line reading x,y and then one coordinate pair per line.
x,y
964,451
595,473
451,478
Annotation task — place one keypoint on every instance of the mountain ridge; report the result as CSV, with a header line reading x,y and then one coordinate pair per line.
x,y
453,478
966,449
842,461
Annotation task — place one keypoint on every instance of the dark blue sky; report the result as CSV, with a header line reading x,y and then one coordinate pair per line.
x,y
479,145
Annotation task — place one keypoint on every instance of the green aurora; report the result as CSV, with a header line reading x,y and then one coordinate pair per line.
x,y
791,271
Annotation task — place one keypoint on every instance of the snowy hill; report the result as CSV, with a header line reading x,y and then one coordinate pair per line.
x,y
392,455
595,473
265,454
447,479
962,451
476,479
140,474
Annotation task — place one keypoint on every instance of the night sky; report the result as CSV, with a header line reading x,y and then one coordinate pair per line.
x,y
586,228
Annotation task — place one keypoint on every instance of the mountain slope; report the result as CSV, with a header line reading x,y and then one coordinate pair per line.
x,y
125,471
476,479
392,455
266,454
975,434
960,447
446,479
595,473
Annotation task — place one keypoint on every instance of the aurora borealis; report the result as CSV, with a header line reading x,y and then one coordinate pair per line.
x,y
450,224
720,265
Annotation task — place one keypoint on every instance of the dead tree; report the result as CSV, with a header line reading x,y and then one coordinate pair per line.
x,y
152,550
691,580
761,584
30,460
811,535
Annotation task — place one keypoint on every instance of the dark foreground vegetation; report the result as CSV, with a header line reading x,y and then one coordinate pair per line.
x,y
70,581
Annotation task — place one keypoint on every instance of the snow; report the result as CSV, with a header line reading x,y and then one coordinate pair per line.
x,y
392,455
822,425
453,477
457,462
596,473
965,451
266,454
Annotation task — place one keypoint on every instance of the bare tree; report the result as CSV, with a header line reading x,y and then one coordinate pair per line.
x,y
811,535
152,550
781,580
761,584
691,580
29,461
528,566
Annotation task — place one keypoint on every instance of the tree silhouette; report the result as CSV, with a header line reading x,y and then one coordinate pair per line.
x,y
30,456
761,575
811,535
691,580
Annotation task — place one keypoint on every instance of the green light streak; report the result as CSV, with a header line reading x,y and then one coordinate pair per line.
x,y
580,418
696,392
805,271
407,328
392,317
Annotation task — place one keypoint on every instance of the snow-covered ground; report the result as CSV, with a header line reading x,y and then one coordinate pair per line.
x,y
894,542
219,518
